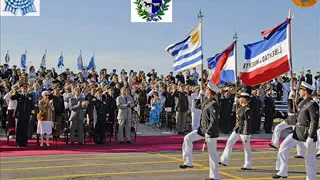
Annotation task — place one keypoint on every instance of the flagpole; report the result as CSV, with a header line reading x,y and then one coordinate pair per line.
x,y
290,60
235,38
200,17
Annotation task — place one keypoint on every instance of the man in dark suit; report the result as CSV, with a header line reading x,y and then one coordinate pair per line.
x,y
181,108
23,114
304,134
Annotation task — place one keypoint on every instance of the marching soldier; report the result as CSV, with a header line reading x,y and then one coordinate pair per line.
x,y
208,130
23,114
305,134
100,110
290,121
241,130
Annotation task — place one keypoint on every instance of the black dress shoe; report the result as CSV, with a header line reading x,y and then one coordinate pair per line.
x,y
245,169
121,142
129,142
185,166
81,143
298,157
317,155
273,146
222,164
278,177
211,179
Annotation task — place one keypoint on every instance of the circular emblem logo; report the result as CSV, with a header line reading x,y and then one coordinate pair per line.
x,y
152,10
305,3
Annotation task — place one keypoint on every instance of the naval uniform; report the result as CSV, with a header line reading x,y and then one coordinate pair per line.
x,y
305,134
100,117
290,121
241,130
23,112
209,131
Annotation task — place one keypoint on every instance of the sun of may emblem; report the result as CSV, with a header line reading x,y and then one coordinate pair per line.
x,y
152,10
25,6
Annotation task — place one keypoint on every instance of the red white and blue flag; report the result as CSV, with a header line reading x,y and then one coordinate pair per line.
x,y
269,58
224,65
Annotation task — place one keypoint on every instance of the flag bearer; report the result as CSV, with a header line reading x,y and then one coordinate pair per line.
x,y
208,130
241,130
304,134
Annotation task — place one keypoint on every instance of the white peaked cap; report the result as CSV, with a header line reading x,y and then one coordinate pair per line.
x,y
244,95
213,87
307,86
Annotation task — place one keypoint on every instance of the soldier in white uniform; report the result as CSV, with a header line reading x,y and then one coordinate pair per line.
x,y
195,112
305,134
290,121
208,130
241,130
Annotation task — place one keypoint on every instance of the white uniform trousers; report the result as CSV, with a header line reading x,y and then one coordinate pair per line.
x,y
224,159
187,146
196,115
318,142
187,154
301,151
283,156
213,158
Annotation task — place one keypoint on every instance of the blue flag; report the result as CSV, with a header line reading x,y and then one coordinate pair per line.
x,y
60,61
79,62
91,64
7,57
43,60
23,62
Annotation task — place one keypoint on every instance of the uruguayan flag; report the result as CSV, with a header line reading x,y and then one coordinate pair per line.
x,y
187,53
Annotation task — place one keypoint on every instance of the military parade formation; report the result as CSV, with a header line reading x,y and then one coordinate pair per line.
x,y
106,107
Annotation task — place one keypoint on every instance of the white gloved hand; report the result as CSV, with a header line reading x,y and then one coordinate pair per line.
x,y
309,144
202,92
291,94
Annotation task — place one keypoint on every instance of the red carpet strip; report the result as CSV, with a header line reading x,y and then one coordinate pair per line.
x,y
143,144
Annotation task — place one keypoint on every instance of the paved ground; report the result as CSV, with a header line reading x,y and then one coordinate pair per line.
x,y
141,166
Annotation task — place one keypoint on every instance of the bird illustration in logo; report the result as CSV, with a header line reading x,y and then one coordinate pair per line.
x,y
25,6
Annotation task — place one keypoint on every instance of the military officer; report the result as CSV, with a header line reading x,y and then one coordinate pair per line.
x,y
316,99
290,121
89,97
208,130
23,114
269,110
305,134
100,110
241,130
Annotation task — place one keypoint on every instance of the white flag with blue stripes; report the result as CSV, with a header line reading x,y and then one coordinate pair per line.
x,y
187,53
